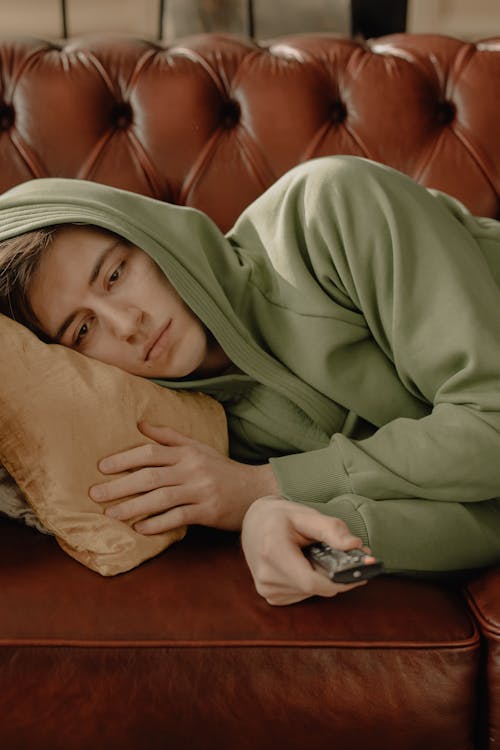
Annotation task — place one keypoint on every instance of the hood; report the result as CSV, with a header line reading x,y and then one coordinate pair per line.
x,y
268,290
230,288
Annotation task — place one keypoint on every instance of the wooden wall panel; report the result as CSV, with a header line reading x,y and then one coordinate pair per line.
x,y
469,19
271,17
32,17
295,16
183,17
139,17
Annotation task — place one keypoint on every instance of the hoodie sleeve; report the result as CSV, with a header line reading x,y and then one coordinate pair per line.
x,y
415,536
422,271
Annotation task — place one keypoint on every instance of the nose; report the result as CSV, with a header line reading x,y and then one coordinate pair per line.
x,y
124,321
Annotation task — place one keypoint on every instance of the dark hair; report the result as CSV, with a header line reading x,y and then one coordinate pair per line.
x,y
19,259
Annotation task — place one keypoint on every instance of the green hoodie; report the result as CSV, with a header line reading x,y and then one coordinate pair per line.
x,y
362,313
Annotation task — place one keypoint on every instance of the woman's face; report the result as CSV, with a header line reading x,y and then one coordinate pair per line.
x,y
107,299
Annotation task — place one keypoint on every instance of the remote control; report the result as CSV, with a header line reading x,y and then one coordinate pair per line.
x,y
343,567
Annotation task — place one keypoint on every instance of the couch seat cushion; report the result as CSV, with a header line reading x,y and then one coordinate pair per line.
x,y
184,648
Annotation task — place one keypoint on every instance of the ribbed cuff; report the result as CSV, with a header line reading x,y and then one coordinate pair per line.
x,y
317,476
345,508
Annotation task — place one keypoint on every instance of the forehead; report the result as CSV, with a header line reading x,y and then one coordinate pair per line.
x,y
76,240
72,250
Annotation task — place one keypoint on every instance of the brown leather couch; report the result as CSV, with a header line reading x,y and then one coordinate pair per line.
x,y
182,652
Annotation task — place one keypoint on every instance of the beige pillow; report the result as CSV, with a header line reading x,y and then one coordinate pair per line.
x,y
13,504
60,413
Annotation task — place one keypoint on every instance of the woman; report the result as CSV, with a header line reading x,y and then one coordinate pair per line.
x,y
348,325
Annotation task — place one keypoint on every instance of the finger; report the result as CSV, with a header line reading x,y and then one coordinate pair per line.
x,y
319,527
173,519
144,505
150,454
164,434
282,598
135,483
293,575
278,595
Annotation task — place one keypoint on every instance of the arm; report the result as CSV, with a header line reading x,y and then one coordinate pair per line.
x,y
413,264
421,536
443,537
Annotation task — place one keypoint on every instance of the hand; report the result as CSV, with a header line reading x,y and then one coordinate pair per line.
x,y
178,481
273,533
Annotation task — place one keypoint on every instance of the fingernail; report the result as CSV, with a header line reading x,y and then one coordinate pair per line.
x,y
105,464
96,493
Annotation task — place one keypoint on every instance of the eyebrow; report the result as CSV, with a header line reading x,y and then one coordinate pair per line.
x,y
92,279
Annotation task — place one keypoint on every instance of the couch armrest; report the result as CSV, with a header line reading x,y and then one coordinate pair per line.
x,y
483,596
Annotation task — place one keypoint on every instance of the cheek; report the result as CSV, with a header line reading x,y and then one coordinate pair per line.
x,y
154,282
106,349
158,291
160,286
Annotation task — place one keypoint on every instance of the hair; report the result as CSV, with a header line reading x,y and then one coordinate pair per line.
x,y
19,259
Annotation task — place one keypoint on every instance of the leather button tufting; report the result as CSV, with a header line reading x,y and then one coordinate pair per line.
x,y
445,112
231,114
7,116
121,115
338,112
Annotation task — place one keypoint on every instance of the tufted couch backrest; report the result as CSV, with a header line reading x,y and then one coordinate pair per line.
x,y
212,120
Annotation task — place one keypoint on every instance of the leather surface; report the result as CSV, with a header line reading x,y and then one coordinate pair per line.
x,y
200,591
483,595
182,652
211,121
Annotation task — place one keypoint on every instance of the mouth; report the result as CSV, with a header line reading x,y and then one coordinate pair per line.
x,y
156,344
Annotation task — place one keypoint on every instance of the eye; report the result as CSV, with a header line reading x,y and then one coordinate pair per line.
x,y
84,329
116,274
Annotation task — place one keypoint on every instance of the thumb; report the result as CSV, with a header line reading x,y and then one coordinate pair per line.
x,y
163,434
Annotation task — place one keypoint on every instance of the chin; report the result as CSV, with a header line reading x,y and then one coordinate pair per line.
x,y
181,361
195,359
171,370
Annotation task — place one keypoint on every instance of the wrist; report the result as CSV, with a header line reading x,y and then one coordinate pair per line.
x,y
265,482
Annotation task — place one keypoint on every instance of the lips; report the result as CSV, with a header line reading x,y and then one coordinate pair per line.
x,y
156,344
